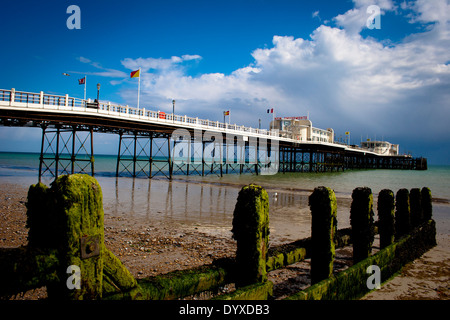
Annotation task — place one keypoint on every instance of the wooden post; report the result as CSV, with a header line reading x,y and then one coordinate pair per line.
x,y
386,217
251,231
323,231
68,217
402,214
361,220
427,207
415,198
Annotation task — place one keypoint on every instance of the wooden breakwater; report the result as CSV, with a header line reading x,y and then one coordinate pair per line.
x,y
66,251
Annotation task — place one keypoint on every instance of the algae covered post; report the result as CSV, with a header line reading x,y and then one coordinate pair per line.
x,y
386,217
427,208
402,213
251,231
69,217
361,219
415,196
323,231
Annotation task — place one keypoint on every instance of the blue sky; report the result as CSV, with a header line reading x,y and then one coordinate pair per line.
x,y
244,56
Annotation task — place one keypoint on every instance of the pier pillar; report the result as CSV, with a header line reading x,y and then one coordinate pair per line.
x,y
66,150
251,231
323,231
361,220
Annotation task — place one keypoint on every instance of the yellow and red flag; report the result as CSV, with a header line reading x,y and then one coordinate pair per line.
x,y
135,74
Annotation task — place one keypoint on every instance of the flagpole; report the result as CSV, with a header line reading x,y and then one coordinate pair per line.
x,y
84,87
139,87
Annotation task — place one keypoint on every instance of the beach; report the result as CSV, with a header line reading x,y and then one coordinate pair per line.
x,y
157,226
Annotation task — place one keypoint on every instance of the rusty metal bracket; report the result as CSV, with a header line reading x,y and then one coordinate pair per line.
x,y
90,246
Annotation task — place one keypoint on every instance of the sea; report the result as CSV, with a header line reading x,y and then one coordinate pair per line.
x,y
206,204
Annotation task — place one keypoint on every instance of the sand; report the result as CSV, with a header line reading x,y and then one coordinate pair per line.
x,y
149,249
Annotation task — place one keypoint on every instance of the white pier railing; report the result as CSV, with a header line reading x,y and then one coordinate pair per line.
x,y
12,99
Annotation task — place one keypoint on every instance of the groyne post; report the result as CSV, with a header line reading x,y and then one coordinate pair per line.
x,y
323,230
427,207
402,213
386,217
251,231
415,198
361,220
68,217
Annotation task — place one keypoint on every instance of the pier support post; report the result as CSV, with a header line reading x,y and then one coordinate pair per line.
x,y
386,217
402,213
251,231
323,230
361,220
68,217
64,150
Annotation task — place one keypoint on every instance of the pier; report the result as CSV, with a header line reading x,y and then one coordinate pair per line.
x,y
155,143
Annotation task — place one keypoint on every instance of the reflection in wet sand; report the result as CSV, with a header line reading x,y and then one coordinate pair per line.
x,y
208,207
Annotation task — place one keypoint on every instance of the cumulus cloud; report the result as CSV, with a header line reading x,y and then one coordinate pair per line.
x,y
428,10
343,80
355,20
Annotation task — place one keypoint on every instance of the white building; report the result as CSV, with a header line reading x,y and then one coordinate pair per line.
x,y
381,147
300,128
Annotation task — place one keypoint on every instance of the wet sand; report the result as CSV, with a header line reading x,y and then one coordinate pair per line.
x,y
183,225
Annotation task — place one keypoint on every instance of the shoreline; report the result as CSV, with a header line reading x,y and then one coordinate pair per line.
x,y
148,248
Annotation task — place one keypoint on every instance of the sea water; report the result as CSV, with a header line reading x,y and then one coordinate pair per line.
x,y
207,203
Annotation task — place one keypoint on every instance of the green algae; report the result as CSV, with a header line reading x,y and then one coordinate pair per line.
x,y
257,291
251,231
58,218
323,231
352,282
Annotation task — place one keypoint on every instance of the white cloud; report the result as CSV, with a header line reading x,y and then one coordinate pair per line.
x,y
345,81
355,20
316,15
159,64
106,72
431,11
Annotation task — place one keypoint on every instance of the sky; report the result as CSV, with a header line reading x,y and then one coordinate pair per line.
x,y
320,58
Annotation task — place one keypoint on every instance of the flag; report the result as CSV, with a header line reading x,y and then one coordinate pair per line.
x,y
135,74
270,110
226,113
82,80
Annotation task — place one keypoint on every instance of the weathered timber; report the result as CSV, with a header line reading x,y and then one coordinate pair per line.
x,y
251,231
323,230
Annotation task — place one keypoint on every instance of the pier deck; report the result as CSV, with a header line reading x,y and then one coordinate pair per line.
x,y
157,143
